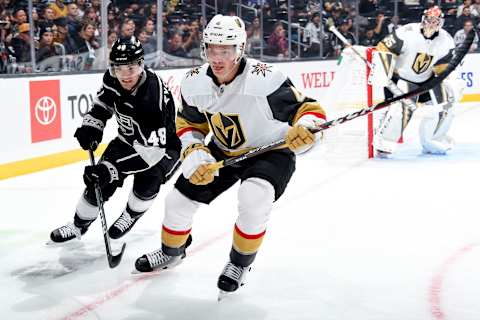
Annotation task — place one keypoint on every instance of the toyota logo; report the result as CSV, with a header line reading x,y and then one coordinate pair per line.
x,y
45,110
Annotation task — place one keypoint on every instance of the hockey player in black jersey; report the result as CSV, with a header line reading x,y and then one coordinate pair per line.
x,y
146,147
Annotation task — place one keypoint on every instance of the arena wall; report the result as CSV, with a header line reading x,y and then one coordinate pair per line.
x,y
40,114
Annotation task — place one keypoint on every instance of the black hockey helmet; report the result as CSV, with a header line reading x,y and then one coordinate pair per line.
x,y
126,51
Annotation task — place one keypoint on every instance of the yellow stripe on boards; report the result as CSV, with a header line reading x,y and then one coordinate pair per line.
x,y
474,97
17,168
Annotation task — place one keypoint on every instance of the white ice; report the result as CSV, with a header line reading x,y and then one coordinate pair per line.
x,y
395,239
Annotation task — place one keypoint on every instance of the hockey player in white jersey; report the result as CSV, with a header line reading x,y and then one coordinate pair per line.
x,y
244,104
422,51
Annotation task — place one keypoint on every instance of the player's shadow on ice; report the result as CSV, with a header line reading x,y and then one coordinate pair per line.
x,y
45,278
60,273
41,276
71,258
160,300
186,308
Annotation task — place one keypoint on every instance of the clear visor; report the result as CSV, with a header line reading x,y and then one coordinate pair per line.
x,y
220,52
127,71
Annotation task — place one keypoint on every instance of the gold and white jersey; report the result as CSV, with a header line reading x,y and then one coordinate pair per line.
x,y
418,58
254,109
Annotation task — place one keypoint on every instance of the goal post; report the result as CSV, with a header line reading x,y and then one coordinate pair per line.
x,y
353,88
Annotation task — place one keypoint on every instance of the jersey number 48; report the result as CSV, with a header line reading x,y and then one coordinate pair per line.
x,y
159,136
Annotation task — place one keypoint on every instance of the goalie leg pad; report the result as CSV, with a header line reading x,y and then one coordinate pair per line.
x,y
433,132
390,129
453,88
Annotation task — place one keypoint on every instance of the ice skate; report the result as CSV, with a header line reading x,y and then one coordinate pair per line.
x,y
122,225
382,154
68,232
231,278
157,260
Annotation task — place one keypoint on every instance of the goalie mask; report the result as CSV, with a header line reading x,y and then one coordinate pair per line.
x,y
126,61
225,30
432,21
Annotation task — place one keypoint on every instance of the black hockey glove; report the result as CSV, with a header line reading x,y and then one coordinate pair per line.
x,y
103,173
89,135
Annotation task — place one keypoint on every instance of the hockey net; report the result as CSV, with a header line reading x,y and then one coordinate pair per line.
x,y
352,88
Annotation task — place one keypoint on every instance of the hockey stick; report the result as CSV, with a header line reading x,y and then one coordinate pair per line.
x,y
113,260
458,54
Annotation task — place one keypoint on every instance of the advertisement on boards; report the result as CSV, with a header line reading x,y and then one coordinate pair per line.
x,y
45,110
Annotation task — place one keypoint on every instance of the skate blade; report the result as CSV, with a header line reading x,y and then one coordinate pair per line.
x,y
222,295
74,243
136,272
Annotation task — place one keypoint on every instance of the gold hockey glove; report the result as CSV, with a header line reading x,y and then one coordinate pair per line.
x,y
299,137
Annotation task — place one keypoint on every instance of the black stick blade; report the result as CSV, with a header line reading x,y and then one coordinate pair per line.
x,y
114,261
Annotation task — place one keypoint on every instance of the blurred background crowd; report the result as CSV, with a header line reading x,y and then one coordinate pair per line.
x,y
67,35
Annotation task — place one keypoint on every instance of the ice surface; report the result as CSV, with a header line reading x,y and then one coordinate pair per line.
x,y
394,239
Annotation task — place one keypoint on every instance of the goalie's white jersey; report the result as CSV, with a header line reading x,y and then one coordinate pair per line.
x,y
253,110
417,57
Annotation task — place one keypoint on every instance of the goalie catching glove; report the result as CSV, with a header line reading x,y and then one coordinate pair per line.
x,y
196,159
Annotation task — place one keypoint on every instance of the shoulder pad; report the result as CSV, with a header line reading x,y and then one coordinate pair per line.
x,y
195,82
193,72
262,78
409,27
448,38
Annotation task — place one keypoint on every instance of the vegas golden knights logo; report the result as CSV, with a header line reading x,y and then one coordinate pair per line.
x,y
227,129
422,62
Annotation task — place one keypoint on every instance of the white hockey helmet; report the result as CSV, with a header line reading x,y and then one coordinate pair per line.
x,y
432,21
226,30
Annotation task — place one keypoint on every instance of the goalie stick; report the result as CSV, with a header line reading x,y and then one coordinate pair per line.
x,y
113,260
458,54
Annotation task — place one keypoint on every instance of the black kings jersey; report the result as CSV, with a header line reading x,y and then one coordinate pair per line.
x,y
145,115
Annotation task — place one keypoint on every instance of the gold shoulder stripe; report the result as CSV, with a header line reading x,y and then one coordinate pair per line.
x,y
298,95
382,47
308,107
184,125
439,69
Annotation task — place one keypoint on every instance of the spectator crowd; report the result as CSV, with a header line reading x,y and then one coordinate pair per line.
x,y
68,32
